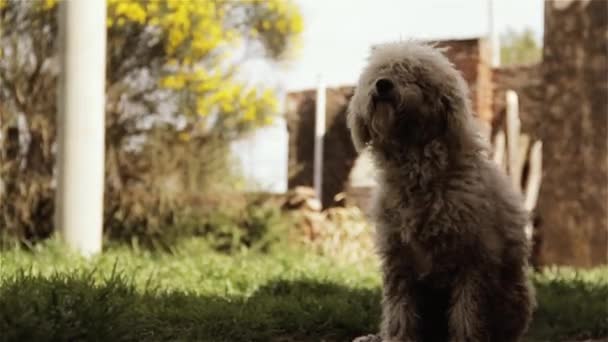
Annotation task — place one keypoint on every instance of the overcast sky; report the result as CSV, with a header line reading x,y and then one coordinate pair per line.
x,y
338,33
336,40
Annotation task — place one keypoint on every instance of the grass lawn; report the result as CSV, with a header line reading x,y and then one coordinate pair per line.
x,y
196,294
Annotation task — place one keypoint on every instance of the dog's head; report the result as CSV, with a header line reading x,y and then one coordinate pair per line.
x,y
409,95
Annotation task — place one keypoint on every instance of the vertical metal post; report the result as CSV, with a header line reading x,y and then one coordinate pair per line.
x,y
319,135
513,129
81,124
494,35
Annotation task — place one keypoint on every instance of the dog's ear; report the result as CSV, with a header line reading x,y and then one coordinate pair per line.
x,y
359,130
446,104
454,120
444,111
461,127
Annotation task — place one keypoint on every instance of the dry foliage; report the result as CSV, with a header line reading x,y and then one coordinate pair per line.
x,y
343,233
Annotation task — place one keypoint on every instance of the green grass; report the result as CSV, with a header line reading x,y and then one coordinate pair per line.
x,y
196,294
571,304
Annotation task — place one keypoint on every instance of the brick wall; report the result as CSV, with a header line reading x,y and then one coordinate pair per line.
x,y
472,58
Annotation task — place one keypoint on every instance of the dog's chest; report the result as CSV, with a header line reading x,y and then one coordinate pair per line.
x,y
398,231
420,259
429,266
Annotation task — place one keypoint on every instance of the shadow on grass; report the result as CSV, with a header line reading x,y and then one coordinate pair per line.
x,y
73,307
571,309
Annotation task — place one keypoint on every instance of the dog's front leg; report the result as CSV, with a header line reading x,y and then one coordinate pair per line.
x,y
398,305
398,311
465,316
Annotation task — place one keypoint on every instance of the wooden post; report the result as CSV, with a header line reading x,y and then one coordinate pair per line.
x,y
499,149
80,124
535,173
517,145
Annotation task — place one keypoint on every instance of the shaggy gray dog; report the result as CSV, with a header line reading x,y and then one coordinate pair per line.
x,y
450,226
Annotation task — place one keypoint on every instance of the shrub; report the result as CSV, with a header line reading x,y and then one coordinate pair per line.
x,y
166,60
341,233
255,226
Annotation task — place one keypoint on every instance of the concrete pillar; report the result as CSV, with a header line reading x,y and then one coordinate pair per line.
x,y
81,124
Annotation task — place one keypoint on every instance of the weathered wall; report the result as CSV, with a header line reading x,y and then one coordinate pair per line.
x,y
472,58
563,101
574,193
338,153
527,82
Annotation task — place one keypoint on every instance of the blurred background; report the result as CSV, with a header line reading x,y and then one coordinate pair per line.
x,y
210,100
225,119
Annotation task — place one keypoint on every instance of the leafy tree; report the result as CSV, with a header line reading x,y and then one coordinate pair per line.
x,y
519,48
165,59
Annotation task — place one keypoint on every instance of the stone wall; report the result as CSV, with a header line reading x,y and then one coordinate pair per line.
x,y
574,193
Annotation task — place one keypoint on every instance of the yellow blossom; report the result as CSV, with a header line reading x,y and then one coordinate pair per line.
x,y
173,82
249,114
268,120
227,107
48,4
184,136
194,31
281,25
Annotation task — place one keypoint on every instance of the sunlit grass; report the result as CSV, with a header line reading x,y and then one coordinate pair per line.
x,y
197,294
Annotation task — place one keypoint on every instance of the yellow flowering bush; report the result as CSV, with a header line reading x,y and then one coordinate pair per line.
x,y
197,38
170,61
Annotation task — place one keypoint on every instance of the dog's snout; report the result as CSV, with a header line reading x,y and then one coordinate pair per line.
x,y
384,87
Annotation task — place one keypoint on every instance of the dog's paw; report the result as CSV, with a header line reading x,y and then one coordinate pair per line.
x,y
368,338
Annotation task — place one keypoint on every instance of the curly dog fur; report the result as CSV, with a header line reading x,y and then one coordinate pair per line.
x,y
450,226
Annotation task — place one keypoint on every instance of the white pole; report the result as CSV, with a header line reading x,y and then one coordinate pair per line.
x,y
80,123
513,129
494,38
319,134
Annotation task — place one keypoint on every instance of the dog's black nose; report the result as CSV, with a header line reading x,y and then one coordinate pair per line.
x,y
384,87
